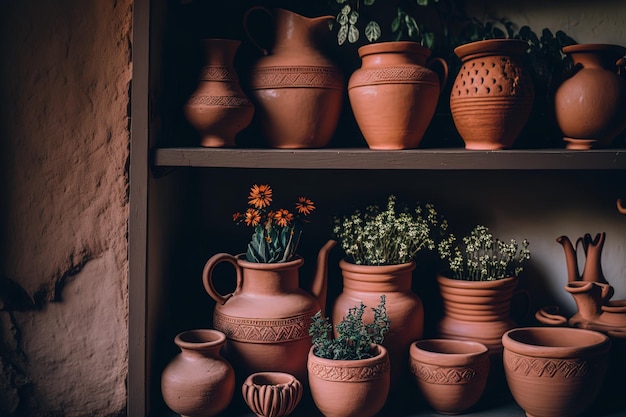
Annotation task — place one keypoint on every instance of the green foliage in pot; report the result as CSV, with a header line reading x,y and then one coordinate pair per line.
x,y
354,337
388,236
479,256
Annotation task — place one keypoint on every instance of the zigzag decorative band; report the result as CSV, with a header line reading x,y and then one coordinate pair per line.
x,y
263,331
407,74
211,73
547,368
438,375
222,101
333,373
307,76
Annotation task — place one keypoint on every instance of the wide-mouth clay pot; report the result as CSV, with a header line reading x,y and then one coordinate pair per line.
x,y
555,372
272,394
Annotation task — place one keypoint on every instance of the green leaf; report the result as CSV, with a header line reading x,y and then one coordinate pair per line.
x,y
372,31
368,2
342,19
353,17
395,24
353,34
342,34
423,2
428,40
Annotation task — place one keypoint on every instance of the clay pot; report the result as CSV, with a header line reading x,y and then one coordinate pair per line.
x,y
394,94
451,374
350,388
218,108
493,94
297,90
366,283
555,371
590,106
271,394
198,382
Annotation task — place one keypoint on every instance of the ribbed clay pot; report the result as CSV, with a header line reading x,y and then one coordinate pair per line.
x,y
493,93
271,394
395,92
218,108
366,283
198,382
450,374
555,371
590,106
350,388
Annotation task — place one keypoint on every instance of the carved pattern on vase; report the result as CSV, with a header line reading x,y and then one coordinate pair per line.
x,y
399,74
547,368
222,101
268,330
361,373
442,375
217,73
487,78
292,77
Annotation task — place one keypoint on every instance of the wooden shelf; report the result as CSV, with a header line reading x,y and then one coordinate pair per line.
x,y
416,159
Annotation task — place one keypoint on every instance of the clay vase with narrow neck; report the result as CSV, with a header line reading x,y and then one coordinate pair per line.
x,y
493,94
590,106
366,283
297,90
395,93
218,108
198,382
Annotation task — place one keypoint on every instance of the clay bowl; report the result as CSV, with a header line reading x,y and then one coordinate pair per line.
x,y
555,371
272,394
451,374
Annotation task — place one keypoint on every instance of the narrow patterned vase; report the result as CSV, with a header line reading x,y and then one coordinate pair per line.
x,y
271,394
395,93
350,388
218,108
297,90
493,94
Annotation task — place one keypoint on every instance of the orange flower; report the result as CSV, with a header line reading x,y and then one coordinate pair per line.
x,y
283,217
260,196
237,216
304,206
252,217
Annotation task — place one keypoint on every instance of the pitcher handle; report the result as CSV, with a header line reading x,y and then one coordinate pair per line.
x,y
621,66
443,77
245,26
207,276
547,315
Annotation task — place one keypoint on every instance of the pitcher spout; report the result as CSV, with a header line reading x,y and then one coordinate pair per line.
x,y
570,258
589,298
319,286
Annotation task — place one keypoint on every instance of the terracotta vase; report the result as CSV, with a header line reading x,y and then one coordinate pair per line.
x,y
365,283
555,371
477,310
493,94
350,388
450,374
272,394
590,106
198,382
266,318
297,90
395,92
218,108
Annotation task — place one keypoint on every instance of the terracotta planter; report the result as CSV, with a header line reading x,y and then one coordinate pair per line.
x,y
555,372
218,108
590,106
394,94
493,94
272,394
356,388
297,90
477,310
364,283
198,382
451,374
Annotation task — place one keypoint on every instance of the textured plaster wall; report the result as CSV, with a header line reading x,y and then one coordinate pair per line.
x,y
65,71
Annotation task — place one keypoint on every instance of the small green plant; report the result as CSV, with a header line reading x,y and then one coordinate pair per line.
x,y
390,236
354,337
276,232
480,257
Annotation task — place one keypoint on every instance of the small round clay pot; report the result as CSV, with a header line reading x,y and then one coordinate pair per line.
x,y
451,374
272,394
555,371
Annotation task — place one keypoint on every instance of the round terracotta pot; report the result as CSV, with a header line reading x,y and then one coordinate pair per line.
x,y
590,106
477,310
366,283
218,108
198,382
297,90
272,394
555,371
395,92
493,94
451,374
350,388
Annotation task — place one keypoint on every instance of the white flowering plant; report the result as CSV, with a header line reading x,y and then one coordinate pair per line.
x,y
391,235
481,257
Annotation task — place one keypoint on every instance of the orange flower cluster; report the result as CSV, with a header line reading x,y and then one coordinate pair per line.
x,y
260,198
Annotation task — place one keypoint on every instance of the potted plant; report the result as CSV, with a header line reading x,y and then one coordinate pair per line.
x,y
380,244
477,284
349,372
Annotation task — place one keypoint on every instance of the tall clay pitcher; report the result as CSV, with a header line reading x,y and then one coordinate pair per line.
x,y
297,90
266,318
